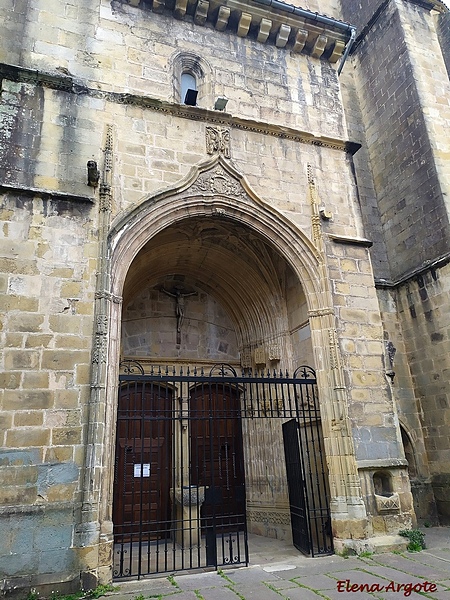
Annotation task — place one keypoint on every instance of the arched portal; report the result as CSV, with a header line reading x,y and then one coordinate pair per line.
x,y
253,286
214,291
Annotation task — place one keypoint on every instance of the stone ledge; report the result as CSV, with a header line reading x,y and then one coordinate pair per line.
x,y
42,193
29,509
352,241
376,545
182,111
430,265
381,462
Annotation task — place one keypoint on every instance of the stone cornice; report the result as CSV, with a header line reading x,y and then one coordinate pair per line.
x,y
430,265
55,81
268,21
194,113
43,193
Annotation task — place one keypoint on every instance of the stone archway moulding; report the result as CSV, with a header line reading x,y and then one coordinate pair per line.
x,y
215,189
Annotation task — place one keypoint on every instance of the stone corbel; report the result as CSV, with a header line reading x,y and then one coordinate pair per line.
x,y
338,50
300,40
264,30
283,36
244,24
222,18
180,9
319,46
201,12
158,6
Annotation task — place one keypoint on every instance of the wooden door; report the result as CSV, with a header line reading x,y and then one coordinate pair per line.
x,y
217,455
141,508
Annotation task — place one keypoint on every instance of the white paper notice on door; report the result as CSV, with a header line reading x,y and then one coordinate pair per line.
x,y
142,470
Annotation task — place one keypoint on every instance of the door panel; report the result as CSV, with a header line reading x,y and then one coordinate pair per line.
x,y
217,455
143,463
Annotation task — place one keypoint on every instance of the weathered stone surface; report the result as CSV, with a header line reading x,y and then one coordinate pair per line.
x,y
83,266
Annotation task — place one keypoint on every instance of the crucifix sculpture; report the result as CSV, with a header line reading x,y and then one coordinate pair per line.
x,y
179,306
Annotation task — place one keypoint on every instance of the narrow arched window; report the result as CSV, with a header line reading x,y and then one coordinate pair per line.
x,y
188,89
192,80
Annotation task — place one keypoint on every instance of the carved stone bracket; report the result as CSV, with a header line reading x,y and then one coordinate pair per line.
x,y
108,296
388,504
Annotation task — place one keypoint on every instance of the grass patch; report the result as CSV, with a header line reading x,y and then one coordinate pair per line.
x,y
416,539
98,592
222,574
171,579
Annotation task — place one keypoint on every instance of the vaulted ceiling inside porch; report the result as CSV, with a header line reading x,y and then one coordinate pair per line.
x,y
244,274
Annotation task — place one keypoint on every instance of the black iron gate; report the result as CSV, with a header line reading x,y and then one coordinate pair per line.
x,y
179,488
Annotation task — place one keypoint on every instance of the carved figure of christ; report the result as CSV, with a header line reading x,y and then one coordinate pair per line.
x,y
179,306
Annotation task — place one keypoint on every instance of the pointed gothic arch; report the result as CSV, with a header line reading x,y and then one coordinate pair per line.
x,y
215,190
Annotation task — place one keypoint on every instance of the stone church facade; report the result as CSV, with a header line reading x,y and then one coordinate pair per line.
x,y
291,209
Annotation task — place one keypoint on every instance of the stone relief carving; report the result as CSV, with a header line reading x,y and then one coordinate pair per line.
x,y
274,352
218,140
105,185
389,504
315,218
217,181
246,358
259,356
100,347
332,339
276,518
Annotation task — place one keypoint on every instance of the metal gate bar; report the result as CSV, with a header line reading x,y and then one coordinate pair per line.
x,y
179,495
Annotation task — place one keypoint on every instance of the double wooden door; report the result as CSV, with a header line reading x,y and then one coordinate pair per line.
x,y
145,464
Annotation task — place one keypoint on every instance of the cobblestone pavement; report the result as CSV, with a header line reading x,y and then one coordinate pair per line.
x,y
278,571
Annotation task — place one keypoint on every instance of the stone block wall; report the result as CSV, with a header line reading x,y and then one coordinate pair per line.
x,y
424,316
443,29
89,68
360,335
47,305
399,139
409,410
396,95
